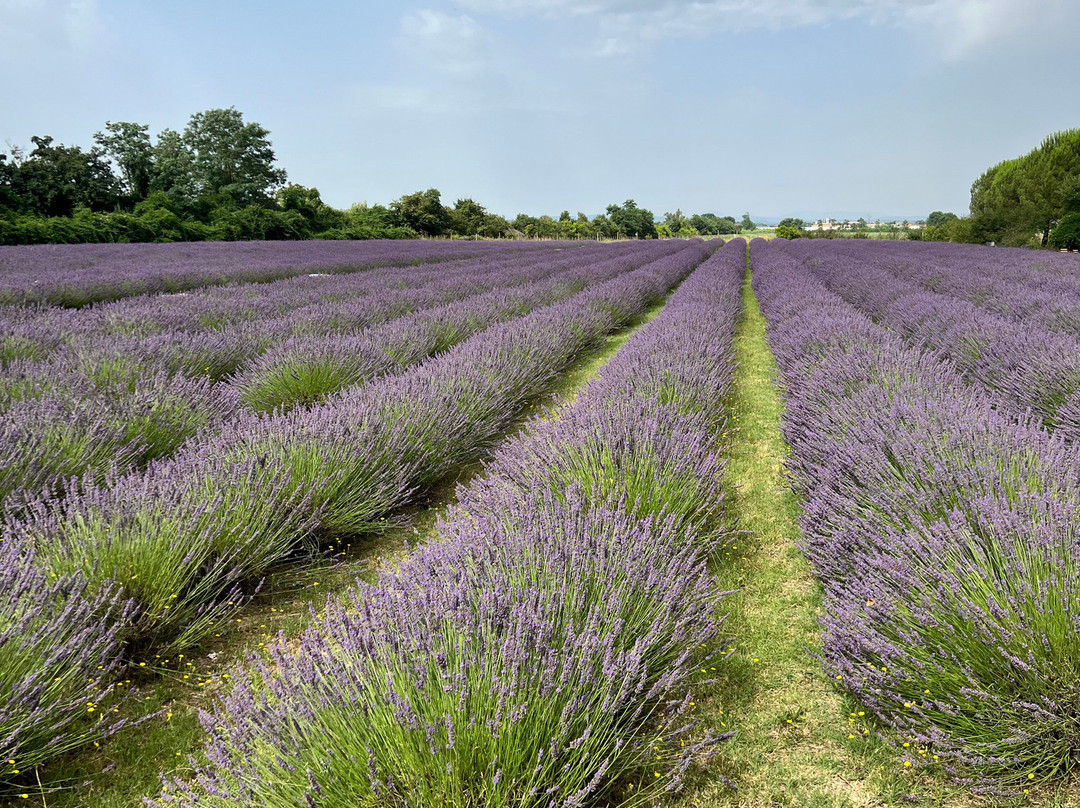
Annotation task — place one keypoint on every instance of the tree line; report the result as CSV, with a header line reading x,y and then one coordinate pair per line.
x,y
1038,194
218,179
1032,200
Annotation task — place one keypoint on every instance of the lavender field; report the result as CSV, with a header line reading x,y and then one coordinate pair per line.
x,y
182,424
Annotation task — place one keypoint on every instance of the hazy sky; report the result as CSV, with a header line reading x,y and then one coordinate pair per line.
x,y
775,107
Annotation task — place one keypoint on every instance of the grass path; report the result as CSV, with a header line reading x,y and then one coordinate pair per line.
x,y
799,741
127,768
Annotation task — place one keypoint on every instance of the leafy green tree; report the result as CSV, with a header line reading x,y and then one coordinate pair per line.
x,y
795,224
1066,236
231,159
787,231
174,168
521,223
467,217
308,203
542,227
603,227
129,146
1026,197
55,179
423,212
630,220
712,225
583,228
9,200
676,221
493,226
747,222
938,218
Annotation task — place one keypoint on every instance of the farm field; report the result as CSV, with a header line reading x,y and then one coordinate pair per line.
x,y
476,524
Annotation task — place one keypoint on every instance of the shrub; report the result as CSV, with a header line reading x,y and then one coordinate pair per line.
x,y
1066,236
59,654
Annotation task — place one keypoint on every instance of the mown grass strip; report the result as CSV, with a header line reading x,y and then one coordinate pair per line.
x,y
799,741
126,769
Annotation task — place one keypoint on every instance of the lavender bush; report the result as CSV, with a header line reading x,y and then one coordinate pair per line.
x,y
177,540
944,534
59,656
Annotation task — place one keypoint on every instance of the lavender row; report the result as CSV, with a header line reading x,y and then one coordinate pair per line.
x,y
122,414
520,660
305,368
943,532
76,275
280,307
1004,280
1028,366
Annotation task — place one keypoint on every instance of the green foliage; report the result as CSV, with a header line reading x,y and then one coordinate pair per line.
x,y
795,224
230,157
217,181
630,220
56,179
9,200
423,212
788,232
1025,198
939,218
747,222
679,225
174,168
467,217
129,146
710,224
1066,235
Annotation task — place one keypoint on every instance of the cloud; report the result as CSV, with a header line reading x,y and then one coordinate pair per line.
x,y
28,27
456,45
958,27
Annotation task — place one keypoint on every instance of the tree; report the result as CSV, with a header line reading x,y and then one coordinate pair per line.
x,y
54,180
938,218
129,146
230,158
174,168
467,217
747,222
676,221
423,212
1025,197
630,220
8,198
603,227
308,203
787,231
793,223
1066,235
493,226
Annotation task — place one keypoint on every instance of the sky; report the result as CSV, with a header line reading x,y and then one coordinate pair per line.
x,y
810,108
